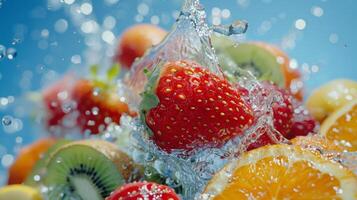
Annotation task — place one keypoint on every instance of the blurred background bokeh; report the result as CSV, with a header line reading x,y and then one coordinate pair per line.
x,y
42,39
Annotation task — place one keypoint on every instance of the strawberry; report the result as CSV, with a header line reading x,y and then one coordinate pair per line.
x,y
282,114
143,190
303,122
89,105
186,106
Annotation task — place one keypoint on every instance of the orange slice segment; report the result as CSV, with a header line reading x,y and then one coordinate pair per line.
x,y
316,142
282,172
341,127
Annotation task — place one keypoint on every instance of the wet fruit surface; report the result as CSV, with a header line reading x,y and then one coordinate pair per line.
x,y
136,40
26,160
191,95
82,104
341,127
280,172
329,97
19,192
143,190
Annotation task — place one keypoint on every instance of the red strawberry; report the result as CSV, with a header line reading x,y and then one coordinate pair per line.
x,y
303,122
91,112
191,107
143,190
282,114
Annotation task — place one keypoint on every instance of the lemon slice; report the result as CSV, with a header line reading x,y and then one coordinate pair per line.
x,y
341,127
19,192
282,172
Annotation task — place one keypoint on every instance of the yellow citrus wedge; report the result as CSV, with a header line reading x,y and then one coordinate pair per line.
x,y
282,172
341,127
19,192
330,97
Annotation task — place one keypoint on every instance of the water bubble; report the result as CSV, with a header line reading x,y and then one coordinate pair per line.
x,y
155,20
11,53
18,140
143,9
45,33
2,51
69,2
333,38
7,160
109,22
139,18
7,120
37,178
108,37
300,24
226,13
61,25
317,11
90,26
76,59
86,8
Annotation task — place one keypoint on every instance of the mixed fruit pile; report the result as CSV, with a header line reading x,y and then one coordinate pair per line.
x,y
186,107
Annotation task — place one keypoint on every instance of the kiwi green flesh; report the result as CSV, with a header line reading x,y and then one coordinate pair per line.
x,y
40,165
79,171
262,63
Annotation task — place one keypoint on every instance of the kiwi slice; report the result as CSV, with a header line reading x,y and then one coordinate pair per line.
x,y
260,61
40,167
88,170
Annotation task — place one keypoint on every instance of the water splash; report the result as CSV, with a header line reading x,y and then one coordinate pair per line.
x,y
238,27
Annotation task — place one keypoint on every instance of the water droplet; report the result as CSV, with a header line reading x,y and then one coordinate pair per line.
x,y
11,53
238,27
7,120
37,178
300,24
7,160
317,11
61,25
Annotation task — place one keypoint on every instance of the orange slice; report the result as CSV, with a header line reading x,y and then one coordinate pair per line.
x,y
282,172
341,126
316,142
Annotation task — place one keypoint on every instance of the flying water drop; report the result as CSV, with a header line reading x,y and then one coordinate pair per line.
x,y
6,120
237,27
11,53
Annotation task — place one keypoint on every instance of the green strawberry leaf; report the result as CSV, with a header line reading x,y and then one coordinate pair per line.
x,y
113,72
149,98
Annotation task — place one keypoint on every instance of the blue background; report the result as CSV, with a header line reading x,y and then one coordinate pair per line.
x,y
269,20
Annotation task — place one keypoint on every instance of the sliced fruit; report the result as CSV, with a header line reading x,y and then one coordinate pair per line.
x,y
316,142
136,40
144,190
26,160
341,126
89,169
185,93
333,95
19,192
89,105
40,166
282,172
265,61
